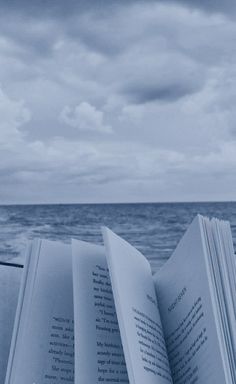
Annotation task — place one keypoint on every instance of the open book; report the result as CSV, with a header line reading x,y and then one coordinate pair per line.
x,y
129,326
177,326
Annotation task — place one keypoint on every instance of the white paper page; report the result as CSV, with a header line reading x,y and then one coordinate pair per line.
x,y
98,350
188,317
9,289
43,350
137,312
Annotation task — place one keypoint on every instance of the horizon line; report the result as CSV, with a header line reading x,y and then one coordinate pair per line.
x,y
121,203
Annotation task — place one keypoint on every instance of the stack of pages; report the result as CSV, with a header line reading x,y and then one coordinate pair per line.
x,y
92,314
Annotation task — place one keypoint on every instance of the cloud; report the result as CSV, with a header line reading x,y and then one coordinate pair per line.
x,y
211,6
163,79
140,53
85,117
65,10
13,114
159,76
116,171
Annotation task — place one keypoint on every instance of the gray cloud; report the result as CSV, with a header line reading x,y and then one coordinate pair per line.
x,y
212,6
62,9
167,93
157,75
165,80
85,117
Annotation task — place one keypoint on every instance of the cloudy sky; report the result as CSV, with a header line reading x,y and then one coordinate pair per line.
x,y
104,101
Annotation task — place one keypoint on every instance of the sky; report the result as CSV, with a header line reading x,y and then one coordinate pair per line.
x,y
117,101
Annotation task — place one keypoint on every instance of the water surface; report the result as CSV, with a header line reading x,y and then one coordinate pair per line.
x,y
153,228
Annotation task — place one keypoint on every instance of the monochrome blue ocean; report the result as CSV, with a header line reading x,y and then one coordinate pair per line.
x,y
153,228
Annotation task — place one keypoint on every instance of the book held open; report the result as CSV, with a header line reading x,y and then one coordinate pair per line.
x,y
122,324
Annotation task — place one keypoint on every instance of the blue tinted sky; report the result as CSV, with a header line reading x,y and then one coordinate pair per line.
x,y
104,101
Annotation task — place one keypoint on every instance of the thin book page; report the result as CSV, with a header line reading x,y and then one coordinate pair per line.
x,y
10,277
187,312
43,348
98,349
137,311
33,248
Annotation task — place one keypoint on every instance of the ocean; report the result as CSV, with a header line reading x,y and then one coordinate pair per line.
x,y
153,228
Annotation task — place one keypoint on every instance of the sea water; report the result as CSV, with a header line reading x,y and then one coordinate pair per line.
x,y
153,228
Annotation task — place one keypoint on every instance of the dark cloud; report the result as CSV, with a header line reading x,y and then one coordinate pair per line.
x,y
167,93
33,38
64,9
212,6
41,8
59,8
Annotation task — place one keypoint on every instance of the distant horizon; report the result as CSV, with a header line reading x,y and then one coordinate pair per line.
x,y
122,203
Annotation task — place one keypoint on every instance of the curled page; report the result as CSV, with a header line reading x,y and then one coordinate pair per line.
x,y
98,349
137,311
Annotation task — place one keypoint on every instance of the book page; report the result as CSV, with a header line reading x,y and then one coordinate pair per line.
x,y
42,350
99,354
188,316
137,311
10,276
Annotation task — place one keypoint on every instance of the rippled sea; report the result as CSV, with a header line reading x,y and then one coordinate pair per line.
x,y
154,228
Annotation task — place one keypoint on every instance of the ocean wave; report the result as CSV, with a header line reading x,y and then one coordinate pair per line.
x,y
154,229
